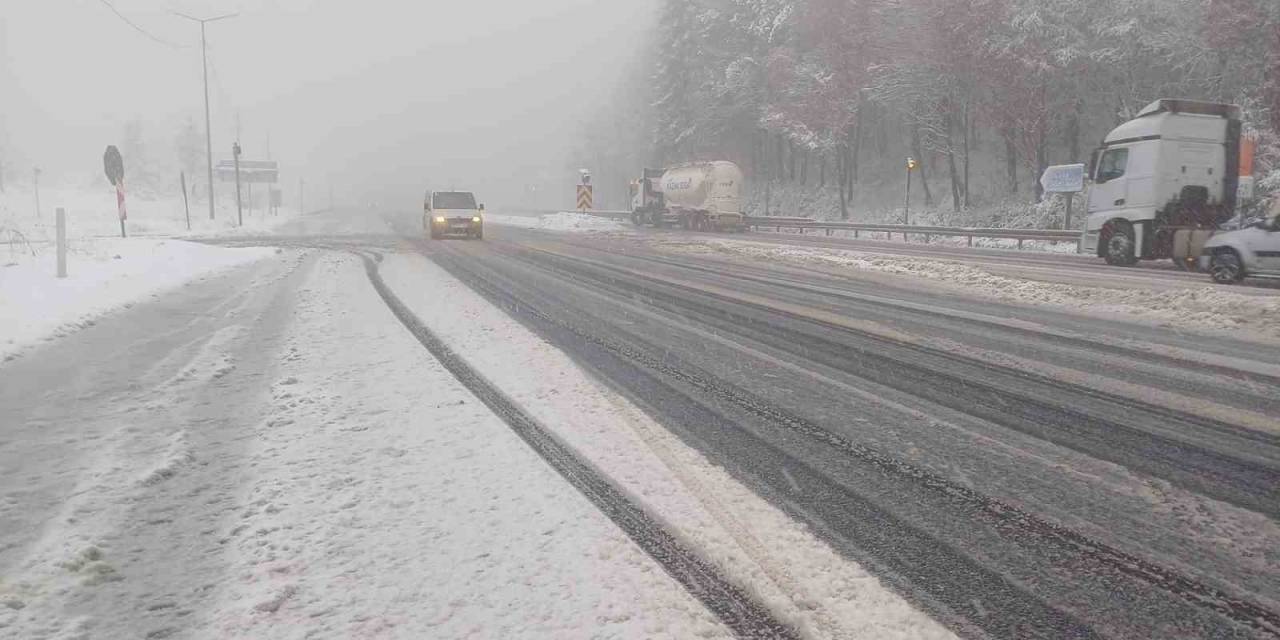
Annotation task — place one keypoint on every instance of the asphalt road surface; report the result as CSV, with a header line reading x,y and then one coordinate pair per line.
x,y
1017,472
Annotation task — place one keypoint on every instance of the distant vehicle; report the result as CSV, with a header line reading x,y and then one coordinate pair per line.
x,y
456,213
702,196
1231,256
1164,182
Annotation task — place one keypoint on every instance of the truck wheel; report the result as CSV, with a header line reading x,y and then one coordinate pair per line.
x,y
636,218
1118,246
1226,267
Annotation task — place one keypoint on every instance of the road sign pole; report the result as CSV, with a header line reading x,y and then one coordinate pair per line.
x,y
182,176
120,207
1066,223
235,154
906,209
61,222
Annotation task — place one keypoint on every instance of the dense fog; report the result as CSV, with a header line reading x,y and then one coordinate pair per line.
x,y
380,99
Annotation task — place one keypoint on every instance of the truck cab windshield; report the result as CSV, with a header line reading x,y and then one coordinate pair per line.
x,y
1112,165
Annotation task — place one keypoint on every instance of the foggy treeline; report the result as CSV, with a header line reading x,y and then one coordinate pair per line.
x,y
821,101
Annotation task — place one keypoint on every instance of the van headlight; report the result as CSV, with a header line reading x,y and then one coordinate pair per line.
x,y
475,219
439,218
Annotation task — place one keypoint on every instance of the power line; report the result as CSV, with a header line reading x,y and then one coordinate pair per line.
x,y
140,29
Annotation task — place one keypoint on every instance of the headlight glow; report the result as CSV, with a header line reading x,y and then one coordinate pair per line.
x,y
476,219
439,218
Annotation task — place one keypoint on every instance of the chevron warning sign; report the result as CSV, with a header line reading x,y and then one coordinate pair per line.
x,y
584,197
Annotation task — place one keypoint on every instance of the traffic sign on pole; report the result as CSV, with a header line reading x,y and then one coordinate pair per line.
x,y
113,166
1063,178
585,197
1067,179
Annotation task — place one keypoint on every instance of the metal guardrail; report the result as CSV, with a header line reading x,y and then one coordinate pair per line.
x,y
1021,235
906,231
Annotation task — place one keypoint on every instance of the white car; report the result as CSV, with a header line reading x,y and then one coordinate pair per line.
x,y
1252,251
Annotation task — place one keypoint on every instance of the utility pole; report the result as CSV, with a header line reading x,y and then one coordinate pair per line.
x,y
301,192
208,132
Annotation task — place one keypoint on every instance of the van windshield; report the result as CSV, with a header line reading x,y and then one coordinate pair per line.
x,y
453,200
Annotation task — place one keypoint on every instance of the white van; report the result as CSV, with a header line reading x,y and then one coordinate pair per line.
x,y
452,213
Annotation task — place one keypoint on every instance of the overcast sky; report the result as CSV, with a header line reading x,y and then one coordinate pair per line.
x,y
386,96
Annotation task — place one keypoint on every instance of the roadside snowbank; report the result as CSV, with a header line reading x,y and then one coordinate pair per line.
x,y
564,221
799,577
1206,307
103,275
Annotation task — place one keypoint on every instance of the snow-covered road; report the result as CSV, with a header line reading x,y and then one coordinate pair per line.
x,y
290,462
874,448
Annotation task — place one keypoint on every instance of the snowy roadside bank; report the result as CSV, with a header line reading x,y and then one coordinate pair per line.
x,y
564,221
801,579
103,275
1201,307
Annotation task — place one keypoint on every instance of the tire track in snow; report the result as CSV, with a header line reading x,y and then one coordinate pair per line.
x,y
730,603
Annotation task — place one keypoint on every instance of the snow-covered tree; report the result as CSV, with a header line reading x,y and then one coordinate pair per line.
x,y
985,93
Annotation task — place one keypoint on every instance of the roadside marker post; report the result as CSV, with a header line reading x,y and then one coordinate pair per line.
x,y
585,198
35,184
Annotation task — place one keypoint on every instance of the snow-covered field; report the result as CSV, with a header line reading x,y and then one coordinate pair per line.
x,y
1205,306
105,272
802,580
92,213
570,221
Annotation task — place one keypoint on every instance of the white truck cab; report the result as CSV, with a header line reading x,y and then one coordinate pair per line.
x,y
1172,168
1252,251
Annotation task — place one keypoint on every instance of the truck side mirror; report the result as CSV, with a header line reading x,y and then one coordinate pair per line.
x,y
482,206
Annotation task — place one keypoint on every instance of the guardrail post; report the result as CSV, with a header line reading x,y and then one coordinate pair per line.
x,y
926,238
971,241
1019,243
855,234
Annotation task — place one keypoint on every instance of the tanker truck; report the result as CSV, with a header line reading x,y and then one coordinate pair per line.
x,y
1164,182
701,196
